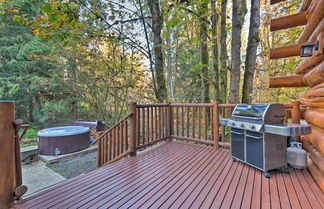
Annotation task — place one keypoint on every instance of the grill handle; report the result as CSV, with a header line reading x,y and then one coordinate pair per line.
x,y
254,137
234,132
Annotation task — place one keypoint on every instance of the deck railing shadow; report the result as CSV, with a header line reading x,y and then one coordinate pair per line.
x,y
148,124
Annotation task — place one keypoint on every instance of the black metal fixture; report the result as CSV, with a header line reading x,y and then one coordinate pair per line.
x,y
307,49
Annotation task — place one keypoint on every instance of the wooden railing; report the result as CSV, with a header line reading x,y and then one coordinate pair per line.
x,y
148,124
224,111
113,144
151,124
193,122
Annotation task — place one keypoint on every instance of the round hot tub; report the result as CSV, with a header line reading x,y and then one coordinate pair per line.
x,y
63,140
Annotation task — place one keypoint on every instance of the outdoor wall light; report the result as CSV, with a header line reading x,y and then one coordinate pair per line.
x,y
307,49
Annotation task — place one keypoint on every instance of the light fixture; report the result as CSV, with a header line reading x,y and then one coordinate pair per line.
x,y
307,49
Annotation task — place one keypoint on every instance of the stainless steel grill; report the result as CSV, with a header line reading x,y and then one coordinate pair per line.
x,y
259,135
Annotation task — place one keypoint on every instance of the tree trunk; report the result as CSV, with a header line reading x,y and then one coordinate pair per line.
x,y
38,103
215,49
204,52
75,109
148,47
238,14
74,82
223,57
30,110
168,54
157,22
251,51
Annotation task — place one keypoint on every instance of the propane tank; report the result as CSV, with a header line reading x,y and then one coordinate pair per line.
x,y
296,155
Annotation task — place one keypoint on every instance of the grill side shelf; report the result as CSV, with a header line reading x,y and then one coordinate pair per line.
x,y
288,130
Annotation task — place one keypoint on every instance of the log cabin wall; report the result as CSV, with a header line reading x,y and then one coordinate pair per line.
x,y
309,73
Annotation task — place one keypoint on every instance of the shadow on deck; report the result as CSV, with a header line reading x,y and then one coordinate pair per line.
x,y
179,175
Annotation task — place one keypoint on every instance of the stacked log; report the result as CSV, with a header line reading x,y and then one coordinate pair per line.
x,y
315,76
314,142
316,173
308,63
310,73
314,15
304,5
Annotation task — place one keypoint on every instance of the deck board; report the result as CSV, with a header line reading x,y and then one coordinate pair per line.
x,y
179,175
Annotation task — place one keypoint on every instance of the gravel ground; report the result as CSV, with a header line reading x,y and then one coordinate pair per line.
x,y
76,166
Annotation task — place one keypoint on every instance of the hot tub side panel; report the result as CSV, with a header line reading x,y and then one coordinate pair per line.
x,y
66,144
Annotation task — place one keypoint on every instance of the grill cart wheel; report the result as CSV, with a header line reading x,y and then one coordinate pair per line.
x,y
286,170
266,174
233,159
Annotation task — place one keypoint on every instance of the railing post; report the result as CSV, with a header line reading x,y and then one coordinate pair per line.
x,y
170,122
216,122
133,108
295,114
7,154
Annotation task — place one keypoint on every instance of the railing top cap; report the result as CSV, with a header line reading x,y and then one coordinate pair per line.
x,y
7,101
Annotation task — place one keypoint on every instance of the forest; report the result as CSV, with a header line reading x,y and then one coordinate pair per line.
x,y
62,60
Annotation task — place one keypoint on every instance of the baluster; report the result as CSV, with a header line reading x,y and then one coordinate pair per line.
x,y
156,124
161,122
182,114
143,126
199,122
169,121
205,123
152,122
99,154
223,127
212,122
177,115
138,128
165,121
108,147
148,124
112,144
122,136
115,142
119,139
216,124
105,148
187,109
193,122
126,132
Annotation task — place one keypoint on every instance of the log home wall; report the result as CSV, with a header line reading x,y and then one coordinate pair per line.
x,y
310,73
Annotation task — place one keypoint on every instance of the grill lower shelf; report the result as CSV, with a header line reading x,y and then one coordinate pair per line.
x,y
264,151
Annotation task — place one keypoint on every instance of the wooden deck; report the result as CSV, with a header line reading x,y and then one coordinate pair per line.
x,y
179,175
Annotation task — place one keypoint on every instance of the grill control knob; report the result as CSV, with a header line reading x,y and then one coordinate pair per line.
x,y
252,126
242,125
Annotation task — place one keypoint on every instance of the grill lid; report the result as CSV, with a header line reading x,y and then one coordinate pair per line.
x,y
250,110
267,113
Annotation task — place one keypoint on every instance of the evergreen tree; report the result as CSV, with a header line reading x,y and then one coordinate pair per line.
x,y
26,73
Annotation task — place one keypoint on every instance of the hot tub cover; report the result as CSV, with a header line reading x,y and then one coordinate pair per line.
x,y
63,131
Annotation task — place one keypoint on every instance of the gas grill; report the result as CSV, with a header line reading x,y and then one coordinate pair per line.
x,y
259,135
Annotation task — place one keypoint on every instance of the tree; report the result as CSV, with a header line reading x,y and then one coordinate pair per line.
x,y
223,55
238,15
25,70
214,19
203,10
251,52
157,24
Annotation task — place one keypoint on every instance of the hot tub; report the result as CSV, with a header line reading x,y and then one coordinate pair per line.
x,y
63,140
